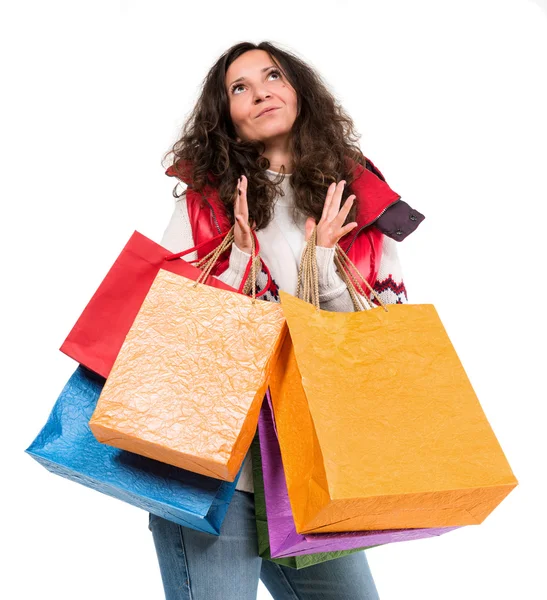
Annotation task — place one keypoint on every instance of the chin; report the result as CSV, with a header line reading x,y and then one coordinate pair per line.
x,y
274,133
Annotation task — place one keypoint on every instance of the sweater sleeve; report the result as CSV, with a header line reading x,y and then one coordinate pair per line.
x,y
389,285
178,237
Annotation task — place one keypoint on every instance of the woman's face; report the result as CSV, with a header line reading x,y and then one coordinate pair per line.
x,y
260,85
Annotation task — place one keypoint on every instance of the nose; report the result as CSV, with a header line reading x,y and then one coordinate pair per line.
x,y
261,95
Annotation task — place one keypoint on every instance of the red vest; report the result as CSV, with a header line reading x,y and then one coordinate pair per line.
x,y
363,245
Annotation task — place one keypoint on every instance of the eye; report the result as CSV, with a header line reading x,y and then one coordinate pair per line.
x,y
238,85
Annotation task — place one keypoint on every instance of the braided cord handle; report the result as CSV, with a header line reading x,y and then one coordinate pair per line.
x,y
345,267
208,262
308,277
307,287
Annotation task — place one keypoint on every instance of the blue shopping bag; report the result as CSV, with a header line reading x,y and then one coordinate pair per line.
x,y
67,447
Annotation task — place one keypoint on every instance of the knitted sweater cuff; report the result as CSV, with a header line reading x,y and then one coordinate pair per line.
x,y
233,276
331,285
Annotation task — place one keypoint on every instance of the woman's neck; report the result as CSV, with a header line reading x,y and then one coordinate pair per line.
x,y
277,172
279,156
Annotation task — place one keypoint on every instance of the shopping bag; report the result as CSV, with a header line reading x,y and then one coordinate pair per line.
x,y
98,334
66,447
283,538
378,423
188,382
295,562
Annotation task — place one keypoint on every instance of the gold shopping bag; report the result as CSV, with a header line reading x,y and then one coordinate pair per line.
x,y
378,424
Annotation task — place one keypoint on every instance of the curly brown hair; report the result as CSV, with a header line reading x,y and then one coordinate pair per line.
x,y
322,140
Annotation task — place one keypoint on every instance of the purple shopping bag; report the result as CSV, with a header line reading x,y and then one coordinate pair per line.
x,y
284,540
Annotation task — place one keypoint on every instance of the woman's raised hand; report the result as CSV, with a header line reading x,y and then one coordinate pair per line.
x,y
330,228
242,229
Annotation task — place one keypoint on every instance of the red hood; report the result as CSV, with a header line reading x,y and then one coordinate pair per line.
x,y
374,195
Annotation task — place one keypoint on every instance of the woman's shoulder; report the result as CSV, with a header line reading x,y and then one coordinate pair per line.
x,y
177,235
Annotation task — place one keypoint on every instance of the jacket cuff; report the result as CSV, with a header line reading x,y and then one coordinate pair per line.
x,y
399,220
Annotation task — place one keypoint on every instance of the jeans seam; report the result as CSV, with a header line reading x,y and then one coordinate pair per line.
x,y
190,595
287,582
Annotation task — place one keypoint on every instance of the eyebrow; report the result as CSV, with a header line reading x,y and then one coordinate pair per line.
x,y
243,78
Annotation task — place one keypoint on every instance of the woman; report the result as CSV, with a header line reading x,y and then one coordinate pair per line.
x,y
267,147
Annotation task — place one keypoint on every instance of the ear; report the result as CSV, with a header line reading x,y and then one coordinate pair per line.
x,y
310,224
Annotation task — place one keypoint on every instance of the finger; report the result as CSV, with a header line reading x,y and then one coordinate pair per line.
x,y
242,238
328,199
236,202
310,224
244,224
346,229
240,204
336,199
344,211
244,207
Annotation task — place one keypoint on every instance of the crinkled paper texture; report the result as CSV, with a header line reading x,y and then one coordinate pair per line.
x,y
295,562
99,332
65,446
188,382
283,539
379,426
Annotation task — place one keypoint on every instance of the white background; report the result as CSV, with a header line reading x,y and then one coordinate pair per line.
x,y
450,99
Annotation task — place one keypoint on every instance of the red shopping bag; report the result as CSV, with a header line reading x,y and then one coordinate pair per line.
x,y
96,338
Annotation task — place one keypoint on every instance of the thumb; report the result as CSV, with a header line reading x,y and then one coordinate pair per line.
x,y
310,224
244,226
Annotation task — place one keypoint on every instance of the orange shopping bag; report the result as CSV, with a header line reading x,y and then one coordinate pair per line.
x,y
187,385
378,424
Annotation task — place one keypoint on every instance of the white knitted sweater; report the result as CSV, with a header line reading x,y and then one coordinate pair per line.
x,y
281,245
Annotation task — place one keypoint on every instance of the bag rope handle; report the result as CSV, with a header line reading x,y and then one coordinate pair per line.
x,y
208,262
307,287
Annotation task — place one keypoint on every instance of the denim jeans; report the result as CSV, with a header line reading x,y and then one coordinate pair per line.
x,y
199,566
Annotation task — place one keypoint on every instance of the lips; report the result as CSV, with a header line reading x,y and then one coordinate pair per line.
x,y
267,110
